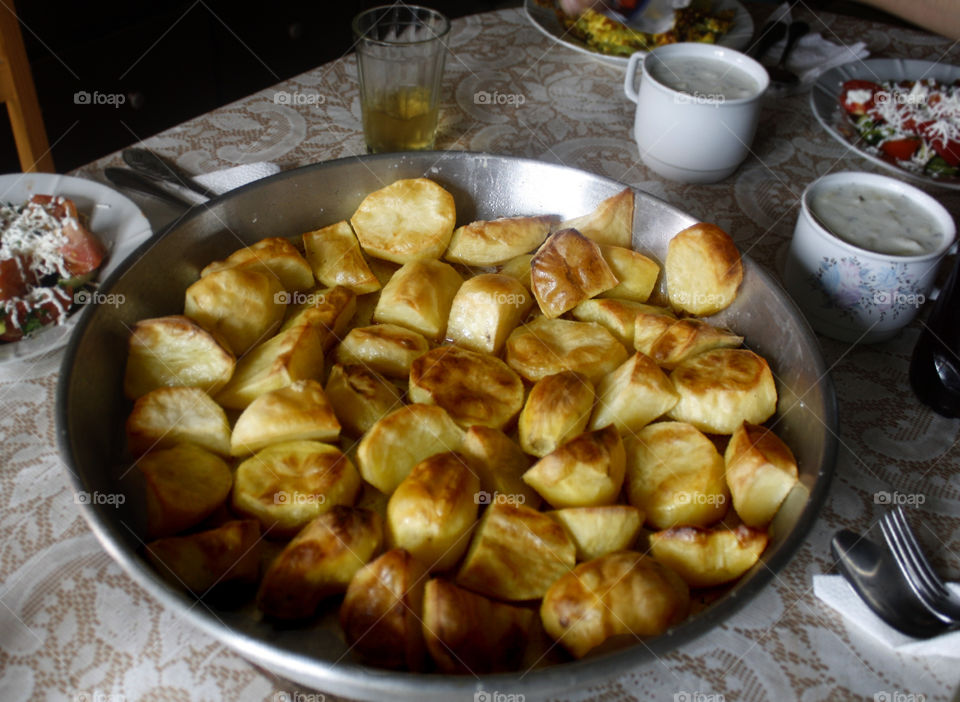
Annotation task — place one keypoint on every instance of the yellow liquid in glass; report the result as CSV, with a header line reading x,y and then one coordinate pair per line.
x,y
401,121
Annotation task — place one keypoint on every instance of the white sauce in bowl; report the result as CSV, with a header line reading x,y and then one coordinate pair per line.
x,y
877,220
704,78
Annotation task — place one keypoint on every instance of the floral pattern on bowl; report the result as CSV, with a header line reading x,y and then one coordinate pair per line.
x,y
853,290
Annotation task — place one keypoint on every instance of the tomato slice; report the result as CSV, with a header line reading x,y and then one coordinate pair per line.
x,y
83,252
858,104
41,315
901,149
12,282
949,150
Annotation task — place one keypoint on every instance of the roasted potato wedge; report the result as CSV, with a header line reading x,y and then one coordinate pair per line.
x,y
649,325
242,306
761,471
500,465
597,531
703,270
621,593
360,397
518,268
418,297
387,349
474,388
618,316
611,222
335,256
400,440
408,220
557,409
298,411
168,416
637,273
175,351
198,562
547,346
708,557
567,270
469,633
184,485
287,485
686,338
586,471
320,561
633,395
382,611
485,310
327,311
676,476
490,243
433,510
722,388
274,256
516,553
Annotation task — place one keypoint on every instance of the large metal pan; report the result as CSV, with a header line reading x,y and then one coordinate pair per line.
x,y
91,408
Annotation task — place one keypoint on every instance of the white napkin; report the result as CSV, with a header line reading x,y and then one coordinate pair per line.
x,y
230,178
839,595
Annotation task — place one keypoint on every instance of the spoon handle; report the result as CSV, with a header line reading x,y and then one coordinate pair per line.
x,y
771,33
794,32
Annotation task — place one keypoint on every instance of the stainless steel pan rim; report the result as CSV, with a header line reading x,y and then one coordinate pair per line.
x,y
346,677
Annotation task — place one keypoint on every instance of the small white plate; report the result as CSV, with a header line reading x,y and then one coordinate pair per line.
x,y
545,19
113,218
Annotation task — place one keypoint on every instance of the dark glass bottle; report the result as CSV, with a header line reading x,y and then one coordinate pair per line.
x,y
935,366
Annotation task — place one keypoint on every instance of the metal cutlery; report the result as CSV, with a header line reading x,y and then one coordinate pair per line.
x,y
923,580
153,165
779,73
770,34
132,180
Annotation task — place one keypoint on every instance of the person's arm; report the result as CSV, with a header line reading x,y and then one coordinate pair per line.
x,y
940,16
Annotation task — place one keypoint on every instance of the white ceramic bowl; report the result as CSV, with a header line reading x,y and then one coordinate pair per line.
x,y
851,293
693,138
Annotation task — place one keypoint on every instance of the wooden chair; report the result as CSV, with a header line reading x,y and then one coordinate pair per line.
x,y
18,91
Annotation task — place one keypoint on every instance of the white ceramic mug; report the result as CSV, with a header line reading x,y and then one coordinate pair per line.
x,y
851,293
693,138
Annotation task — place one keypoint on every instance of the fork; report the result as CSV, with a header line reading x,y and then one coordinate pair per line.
x,y
927,585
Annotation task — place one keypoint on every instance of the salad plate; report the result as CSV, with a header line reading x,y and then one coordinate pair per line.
x,y
545,19
112,218
827,108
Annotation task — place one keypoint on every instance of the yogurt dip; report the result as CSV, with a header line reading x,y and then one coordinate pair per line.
x,y
876,219
704,77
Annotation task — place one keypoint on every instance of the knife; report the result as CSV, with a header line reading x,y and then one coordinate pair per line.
x,y
153,165
131,180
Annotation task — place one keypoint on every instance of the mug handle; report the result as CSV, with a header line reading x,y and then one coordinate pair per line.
x,y
629,80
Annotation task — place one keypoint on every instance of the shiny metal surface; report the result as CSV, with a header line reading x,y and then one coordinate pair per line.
x,y
151,164
132,180
91,409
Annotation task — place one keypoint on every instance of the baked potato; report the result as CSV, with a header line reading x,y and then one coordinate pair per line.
x,y
557,409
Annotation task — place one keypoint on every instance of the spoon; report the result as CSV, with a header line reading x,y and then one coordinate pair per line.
x,y
780,73
872,572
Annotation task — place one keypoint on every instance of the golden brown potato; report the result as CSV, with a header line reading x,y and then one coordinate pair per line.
x,y
633,395
400,440
500,465
298,411
387,349
275,257
474,388
557,409
516,553
637,273
610,223
469,633
675,475
382,611
294,354
173,352
686,338
327,311
761,471
242,306
597,531
490,243
433,510
408,220
649,324
621,593
184,485
584,472
418,297
703,270
619,316
373,500
708,557
567,270
360,397
168,416
287,485
518,268
485,310
335,256
320,561
547,346
198,562
722,388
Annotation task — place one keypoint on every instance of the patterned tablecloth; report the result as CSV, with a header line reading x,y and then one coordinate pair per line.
x,y
74,626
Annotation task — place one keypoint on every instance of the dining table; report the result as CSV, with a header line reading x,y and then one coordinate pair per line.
x,y
74,626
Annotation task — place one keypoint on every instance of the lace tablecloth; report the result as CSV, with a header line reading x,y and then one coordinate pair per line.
x,y
74,626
